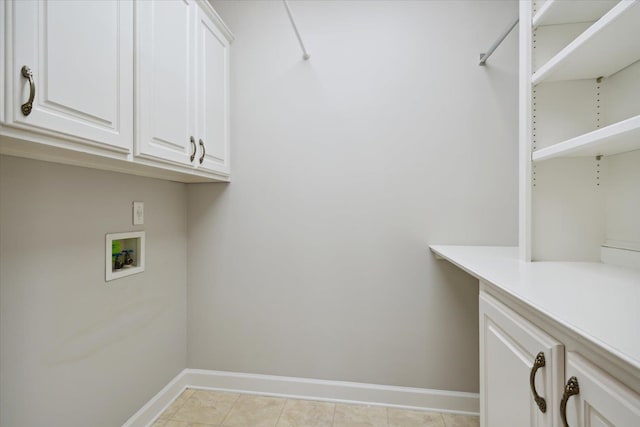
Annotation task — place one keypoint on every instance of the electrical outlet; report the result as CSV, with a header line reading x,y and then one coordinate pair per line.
x,y
138,213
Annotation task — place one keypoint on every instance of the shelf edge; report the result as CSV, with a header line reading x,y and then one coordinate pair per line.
x,y
542,12
551,65
565,148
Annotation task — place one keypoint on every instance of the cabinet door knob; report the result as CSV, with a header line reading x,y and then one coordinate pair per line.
x,y
27,106
203,151
193,149
570,389
538,363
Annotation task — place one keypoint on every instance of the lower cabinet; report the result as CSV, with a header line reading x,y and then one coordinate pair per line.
x,y
599,400
520,369
521,366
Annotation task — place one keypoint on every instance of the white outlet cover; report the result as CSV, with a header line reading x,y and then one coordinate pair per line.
x,y
138,213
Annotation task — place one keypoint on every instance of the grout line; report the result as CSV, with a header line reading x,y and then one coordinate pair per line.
x,y
387,412
172,417
333,419
231,409
281,412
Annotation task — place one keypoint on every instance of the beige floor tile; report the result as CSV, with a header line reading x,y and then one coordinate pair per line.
x,y
206,407
406,418
211,398
200,408
186,424
177,424
453,420
176,405
360,416
306,413
255,411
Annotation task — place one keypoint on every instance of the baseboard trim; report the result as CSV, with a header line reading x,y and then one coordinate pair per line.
x,y
305,388
158,403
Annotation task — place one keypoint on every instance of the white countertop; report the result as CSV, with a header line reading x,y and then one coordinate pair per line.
x,y
600,302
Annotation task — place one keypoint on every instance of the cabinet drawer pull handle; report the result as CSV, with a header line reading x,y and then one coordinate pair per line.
x,y
571,389
193,149
27,106
203,151
538,363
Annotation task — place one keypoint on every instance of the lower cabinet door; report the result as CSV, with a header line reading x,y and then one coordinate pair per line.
x,y
600,400
521,369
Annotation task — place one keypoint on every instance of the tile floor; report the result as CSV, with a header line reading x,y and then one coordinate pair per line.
x,y
200,408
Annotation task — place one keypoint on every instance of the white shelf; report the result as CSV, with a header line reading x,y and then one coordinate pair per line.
x,y
617,138
622,257
608,46
555,12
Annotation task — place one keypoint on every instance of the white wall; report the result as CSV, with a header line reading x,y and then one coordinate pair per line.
x,y
313,262
623,200
76,351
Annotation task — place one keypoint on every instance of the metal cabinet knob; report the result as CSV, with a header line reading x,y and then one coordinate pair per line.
x,y
27,106
538,363
193,149
572,388
203,151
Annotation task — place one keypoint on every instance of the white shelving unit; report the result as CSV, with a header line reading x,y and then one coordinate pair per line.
x,y
617,138
580,131
609,45
579,221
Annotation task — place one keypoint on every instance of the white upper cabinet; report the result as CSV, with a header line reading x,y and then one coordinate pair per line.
x,y
213,95
69,66
165,80
182,85
79,76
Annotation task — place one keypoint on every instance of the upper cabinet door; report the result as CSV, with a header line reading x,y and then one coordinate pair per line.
x,y
79,56
165,78
213,95
512,353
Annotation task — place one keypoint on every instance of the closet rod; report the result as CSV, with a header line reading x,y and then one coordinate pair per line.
x,y
305,54
494,46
